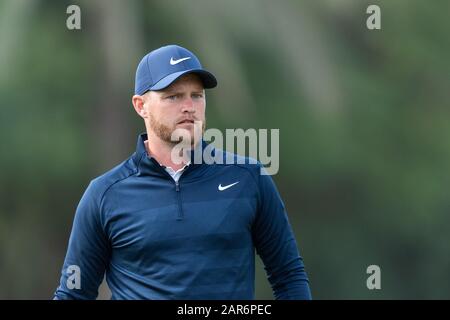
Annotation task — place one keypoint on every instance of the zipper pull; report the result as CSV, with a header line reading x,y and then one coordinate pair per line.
x,y
177,186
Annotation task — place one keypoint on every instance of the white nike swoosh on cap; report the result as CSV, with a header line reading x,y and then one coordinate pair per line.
x,y
174,62
227,186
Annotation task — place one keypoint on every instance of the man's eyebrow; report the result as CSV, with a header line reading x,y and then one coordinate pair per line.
x,y
176,91
169,91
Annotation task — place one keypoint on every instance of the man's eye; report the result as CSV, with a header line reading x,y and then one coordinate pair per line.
x,y
197,95
173,97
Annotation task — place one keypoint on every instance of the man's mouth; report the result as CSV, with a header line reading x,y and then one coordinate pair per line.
x,y
186,121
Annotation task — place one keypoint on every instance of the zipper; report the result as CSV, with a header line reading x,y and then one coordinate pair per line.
x,y
180,214
180,208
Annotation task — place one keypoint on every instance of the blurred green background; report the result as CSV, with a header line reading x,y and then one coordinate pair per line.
x,y
363,118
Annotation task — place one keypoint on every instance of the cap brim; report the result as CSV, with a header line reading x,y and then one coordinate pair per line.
x,y
208,79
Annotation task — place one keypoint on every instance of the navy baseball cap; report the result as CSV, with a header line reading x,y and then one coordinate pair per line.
x,y
159,68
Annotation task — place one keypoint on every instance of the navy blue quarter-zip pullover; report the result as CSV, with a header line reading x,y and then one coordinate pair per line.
x,y
192,239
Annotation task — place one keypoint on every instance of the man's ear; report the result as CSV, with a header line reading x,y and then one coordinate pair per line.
x,y
138,104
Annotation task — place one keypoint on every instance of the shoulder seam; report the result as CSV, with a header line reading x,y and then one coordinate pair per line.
x,y
133,172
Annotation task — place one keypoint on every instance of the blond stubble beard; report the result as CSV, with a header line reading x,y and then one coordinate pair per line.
x,y
164,132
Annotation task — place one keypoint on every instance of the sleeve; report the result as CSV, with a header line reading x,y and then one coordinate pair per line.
x,y
276,245
87,254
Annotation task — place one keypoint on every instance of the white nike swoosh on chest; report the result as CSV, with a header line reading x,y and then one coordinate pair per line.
x,y
221,188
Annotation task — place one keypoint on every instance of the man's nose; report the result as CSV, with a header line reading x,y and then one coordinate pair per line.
x,y
188,105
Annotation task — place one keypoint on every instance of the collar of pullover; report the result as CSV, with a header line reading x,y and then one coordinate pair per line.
x,y
147,165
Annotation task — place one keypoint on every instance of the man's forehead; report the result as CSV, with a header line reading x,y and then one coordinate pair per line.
x,y
190,78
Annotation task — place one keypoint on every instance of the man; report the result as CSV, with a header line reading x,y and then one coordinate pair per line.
x,y
167,229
